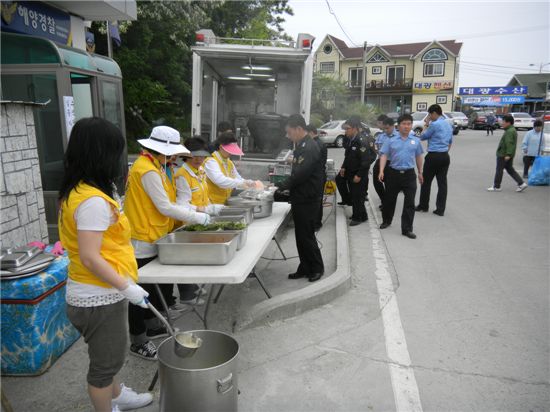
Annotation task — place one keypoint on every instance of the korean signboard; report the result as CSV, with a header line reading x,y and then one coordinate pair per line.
x,y
494,99
492,91
433,87
37,19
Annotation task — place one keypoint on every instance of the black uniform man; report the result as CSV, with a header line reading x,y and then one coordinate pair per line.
x,y
312,132
304,184
352,180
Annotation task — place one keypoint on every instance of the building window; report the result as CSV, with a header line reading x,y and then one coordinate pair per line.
x,y
326,67
327,49
355,77
395,74
434,69
434,55
376,69
377,58
441,99
421,107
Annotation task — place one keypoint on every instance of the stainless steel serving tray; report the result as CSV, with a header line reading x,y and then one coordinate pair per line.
x,y
197,248
243,234
261,208
247,212
16,257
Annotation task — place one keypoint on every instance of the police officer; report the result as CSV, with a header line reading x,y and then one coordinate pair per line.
x,y
352,180
304,184
389,132
439,134
312,132
403,152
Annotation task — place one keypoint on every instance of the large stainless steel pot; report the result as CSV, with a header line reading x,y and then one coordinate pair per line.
x,y
262,207
206,381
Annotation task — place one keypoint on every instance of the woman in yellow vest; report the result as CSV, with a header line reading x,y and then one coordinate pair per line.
x,y
102,269
222,175
150,205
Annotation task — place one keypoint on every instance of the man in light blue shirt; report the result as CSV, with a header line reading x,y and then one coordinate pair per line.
x,y
439,134
404,152
388,133
530,146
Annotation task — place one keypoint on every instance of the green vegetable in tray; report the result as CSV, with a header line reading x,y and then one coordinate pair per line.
x,y
212,227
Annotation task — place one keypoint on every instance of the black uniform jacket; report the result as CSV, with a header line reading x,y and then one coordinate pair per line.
x,y
357,158
308,173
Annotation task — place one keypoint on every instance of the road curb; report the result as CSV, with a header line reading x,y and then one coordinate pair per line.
x,y
312,296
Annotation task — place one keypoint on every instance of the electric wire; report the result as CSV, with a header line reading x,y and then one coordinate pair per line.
x,y
339,24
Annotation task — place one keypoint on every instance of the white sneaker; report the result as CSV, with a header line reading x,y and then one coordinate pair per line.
x,y
193,302
129,399
115,408
494,189
203,291
521,187
179,307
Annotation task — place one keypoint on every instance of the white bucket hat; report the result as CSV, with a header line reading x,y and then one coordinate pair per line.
x,y
164,140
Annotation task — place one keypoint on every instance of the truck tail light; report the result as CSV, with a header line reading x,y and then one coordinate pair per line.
x,y
199,37
322,133
306,43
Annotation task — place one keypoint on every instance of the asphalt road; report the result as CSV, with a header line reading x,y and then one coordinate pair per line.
x,y
473,289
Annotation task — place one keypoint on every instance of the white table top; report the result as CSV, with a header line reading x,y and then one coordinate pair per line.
x,y
260,233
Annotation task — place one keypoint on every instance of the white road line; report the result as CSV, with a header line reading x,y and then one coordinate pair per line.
x,y
405,389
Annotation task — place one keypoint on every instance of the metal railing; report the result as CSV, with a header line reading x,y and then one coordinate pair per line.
x,y
382,84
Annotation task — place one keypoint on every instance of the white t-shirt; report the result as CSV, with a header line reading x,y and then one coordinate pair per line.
x,y
94,214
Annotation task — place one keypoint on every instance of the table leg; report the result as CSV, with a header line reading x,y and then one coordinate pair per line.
x,y
261,282
207,308
220,290
280,248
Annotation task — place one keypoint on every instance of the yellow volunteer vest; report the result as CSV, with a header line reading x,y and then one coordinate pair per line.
x,y
116,248
197,182
147,223
216,194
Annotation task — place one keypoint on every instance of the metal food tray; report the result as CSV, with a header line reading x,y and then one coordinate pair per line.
x,y
247,212
197,248
243,234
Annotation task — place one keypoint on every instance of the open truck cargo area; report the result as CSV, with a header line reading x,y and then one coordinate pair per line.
x,y
252,84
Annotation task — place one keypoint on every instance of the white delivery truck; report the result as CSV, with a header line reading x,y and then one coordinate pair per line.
x,y
252,84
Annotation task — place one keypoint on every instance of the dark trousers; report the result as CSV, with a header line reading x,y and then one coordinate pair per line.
x,y
489,128
509,167
187,291
378,185
319,220
354,194
435,165
527,163
400,181
304,217
138,315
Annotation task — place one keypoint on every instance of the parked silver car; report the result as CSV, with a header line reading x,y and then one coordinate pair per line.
x,y
420,117
459,119
522,120
332,133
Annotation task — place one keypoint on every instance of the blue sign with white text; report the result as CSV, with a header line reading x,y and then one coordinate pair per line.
x,y
512,99
492,91
37,19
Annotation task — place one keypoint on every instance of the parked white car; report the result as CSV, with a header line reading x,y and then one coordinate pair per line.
x,y
332,133
459,119
420,117
545,149
522,120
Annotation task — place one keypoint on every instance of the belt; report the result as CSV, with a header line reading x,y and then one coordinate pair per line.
x,y
402,171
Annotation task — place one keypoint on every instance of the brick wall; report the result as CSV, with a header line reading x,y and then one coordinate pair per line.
x,y
23,218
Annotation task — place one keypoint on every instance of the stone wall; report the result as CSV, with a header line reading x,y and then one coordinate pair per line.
x,y
23,218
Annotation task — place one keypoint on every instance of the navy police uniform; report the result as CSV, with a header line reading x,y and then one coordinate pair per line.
x,y
324,156
305,185
357,161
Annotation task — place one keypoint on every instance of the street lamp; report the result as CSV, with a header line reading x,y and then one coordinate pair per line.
x,y
540,66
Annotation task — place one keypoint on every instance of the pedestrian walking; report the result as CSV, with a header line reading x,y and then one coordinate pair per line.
x,y
102,270
403,151
439,134
312,132
490,121
505,156
353,177
389,132
530,146
304,185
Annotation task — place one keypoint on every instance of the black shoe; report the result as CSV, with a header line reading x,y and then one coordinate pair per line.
x,y
317,228
381,207
355,222
296,275
384,225
438,212
410,235
315,277
344,204
420,209
157,333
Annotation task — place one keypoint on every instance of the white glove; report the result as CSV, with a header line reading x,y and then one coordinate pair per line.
x,y
214,210
203,218
249,184
135,294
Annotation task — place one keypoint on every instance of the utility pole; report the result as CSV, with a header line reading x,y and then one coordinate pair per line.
x,y
109,42
363,80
